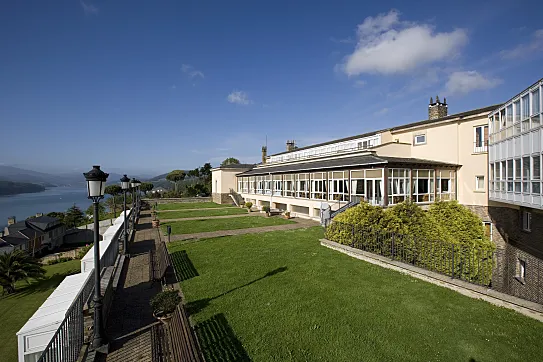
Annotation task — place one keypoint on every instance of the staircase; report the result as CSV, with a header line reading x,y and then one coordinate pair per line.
x,y
355,201
236,198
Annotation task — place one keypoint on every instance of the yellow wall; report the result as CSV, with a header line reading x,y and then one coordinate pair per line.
x,y
224,180
453,142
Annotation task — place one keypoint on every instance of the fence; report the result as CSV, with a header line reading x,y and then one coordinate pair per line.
x,y
468,263
69,337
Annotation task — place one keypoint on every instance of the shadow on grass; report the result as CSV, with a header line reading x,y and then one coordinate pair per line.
x,y
197,305
218,341
184,269
37,286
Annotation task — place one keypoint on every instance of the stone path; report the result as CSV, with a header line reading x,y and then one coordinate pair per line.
x,y
133,332
300,224
214,217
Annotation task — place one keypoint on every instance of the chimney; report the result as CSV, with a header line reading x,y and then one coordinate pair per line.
x,y
264,153
38,214
437,109
11,220
291,145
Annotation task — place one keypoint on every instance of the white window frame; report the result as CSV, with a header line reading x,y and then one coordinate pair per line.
x,y
526,220
477,183
484,143
416,142
521,270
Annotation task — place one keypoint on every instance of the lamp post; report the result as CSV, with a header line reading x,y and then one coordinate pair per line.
x,y
96,185
138,184
133,186
125,185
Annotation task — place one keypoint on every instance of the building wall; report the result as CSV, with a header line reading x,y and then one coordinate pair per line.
x,y
453,142
222,181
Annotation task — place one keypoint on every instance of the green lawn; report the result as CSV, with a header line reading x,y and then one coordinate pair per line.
x,y
17,308
201,213
190,205
204,225
280,296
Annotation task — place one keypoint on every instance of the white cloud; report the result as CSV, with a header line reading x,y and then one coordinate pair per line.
x,y
89,8
467,81
387,45
526,49
239,97
191,72
381,112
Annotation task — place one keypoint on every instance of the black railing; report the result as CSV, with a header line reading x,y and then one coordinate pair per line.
x,y
69,337
473,264
355,201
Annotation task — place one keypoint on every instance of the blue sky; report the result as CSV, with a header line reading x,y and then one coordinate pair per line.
x,y
149,86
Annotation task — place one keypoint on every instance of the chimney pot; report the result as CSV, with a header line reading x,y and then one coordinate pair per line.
x,y
11,220
438,109
38,214
291,145
264,153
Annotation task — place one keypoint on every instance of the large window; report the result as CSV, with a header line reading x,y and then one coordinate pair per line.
x,y
398,185
518,175
536,174
277,185
479,183
357,183
423,185
481,139
302,187
318,186
260,180
267,185
446,185
509,175
240,184
516,117
290,185
503,176
526,174
245,185
525,116
339,188
526,220
490,178
536,122
252,184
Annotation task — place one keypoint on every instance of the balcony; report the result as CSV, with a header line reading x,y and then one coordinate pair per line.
x,y
480,147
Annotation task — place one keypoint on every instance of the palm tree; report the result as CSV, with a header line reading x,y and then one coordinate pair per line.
x,y
114,190
18,265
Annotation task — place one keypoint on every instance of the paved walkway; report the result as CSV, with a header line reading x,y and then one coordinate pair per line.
x,y
214,217
133,332
300,224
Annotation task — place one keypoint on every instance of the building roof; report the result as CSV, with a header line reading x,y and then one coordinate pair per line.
x,y
332,163
31,232
44,223
234,166
408,125
497,107
13,240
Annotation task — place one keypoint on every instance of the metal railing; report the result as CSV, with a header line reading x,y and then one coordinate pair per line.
x,y
480,147
355,201
69,337
468,263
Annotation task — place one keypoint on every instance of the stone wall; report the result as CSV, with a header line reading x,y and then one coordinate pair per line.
x,y
221,198
484,213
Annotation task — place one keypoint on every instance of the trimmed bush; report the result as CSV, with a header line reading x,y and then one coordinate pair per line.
x,y
248,205
266,208
164,303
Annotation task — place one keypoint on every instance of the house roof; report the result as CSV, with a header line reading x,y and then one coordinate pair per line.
x,y
333,163
30,233
44,223
12,240
235,166
408,125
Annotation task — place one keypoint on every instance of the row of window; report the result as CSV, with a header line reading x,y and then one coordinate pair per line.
x,y
520,175
419,185
522,114
480,140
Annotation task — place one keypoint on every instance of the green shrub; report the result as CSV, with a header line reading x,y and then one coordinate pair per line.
x,y
83,251
352,221
266,208
248,205
59,260
165,302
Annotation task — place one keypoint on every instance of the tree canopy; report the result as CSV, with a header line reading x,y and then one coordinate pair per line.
x,y
176,176
113,190
146,186
74,216
230,161
18,265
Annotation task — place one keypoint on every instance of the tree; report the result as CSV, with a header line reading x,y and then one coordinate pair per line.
x,y
205,172
176,176
74,216
101,211
18,265
57,215
146,187
114,190
230,161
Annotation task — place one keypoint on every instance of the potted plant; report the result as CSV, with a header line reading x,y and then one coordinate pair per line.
x,y
164,304
267,210
155,223
286,214
248,205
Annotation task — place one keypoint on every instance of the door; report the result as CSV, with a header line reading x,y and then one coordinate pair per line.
x,y
373,191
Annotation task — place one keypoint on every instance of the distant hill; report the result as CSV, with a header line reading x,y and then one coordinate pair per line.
x,y
158,178
15,174
15,188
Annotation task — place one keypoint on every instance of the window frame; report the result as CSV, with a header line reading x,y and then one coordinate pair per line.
x,y
477,183
526,219
415,142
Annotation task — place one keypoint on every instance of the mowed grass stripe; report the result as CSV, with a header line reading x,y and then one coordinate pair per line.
x,y
190,205
201,213
287,298
206,225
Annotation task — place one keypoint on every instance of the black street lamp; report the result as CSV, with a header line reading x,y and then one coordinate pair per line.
x,y
138,184
133,187
96,186
125,185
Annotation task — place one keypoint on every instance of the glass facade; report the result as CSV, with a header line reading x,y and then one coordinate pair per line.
x,y
515,151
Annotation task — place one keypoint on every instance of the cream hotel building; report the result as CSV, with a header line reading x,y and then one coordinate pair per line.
x,y
441,158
